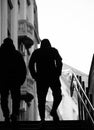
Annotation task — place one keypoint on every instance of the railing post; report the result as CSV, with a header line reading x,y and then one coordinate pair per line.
x,y
79,101
91,99
83,97
71,86
82,113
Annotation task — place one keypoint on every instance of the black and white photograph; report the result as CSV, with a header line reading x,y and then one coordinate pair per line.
x,y
46,64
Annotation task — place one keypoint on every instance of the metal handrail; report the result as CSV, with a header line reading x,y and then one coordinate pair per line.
x,y
73,74
83,91
84,104
84,95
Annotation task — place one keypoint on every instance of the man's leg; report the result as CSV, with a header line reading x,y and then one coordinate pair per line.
x,y
4,104
57,97
42,90
15,94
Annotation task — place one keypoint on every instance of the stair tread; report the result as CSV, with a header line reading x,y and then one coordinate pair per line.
x,y
46,125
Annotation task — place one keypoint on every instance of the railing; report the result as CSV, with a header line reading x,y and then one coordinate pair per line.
x,y
84,100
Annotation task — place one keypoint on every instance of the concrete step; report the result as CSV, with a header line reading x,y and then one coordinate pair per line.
x,y
33,125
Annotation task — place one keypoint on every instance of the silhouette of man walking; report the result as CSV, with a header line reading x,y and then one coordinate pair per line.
x,y
45,67
12,76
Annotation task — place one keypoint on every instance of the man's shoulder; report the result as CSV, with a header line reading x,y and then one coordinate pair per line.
x,y
56,53
54,49
18,53
36,51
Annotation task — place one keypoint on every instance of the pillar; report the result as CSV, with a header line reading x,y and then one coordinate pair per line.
x,y
32,111
23,9
30,12
14,23
4,21
30,18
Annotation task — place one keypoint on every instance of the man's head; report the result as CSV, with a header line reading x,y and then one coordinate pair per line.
x,y
45,43
8,44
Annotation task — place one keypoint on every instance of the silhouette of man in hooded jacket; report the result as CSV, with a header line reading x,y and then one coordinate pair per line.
x,y
45,67
12,76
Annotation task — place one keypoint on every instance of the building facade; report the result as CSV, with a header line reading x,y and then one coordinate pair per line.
x,y
19,21
18,18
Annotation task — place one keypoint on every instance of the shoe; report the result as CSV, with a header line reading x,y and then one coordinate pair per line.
x,y
13,118
7,119
54,115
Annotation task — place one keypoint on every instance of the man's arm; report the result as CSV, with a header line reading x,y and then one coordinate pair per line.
x,y
59,63
32,63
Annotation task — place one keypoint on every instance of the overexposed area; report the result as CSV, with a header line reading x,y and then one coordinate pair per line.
x,y
69,24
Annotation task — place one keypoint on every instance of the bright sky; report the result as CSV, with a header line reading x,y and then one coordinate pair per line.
x,y
69,25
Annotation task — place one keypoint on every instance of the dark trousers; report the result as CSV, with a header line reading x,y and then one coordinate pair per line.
x,y
57,94
4,102
42,89
15,95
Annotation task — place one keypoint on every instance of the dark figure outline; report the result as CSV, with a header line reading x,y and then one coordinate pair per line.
x,y
12,76
45,67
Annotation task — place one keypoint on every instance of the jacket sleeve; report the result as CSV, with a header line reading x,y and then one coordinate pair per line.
x,y
59,63
32,63
21,68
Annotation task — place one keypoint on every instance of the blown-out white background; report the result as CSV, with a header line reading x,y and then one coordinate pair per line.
x,y
69,25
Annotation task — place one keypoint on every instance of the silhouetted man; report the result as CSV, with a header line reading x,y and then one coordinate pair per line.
x,y
45,67
12,76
